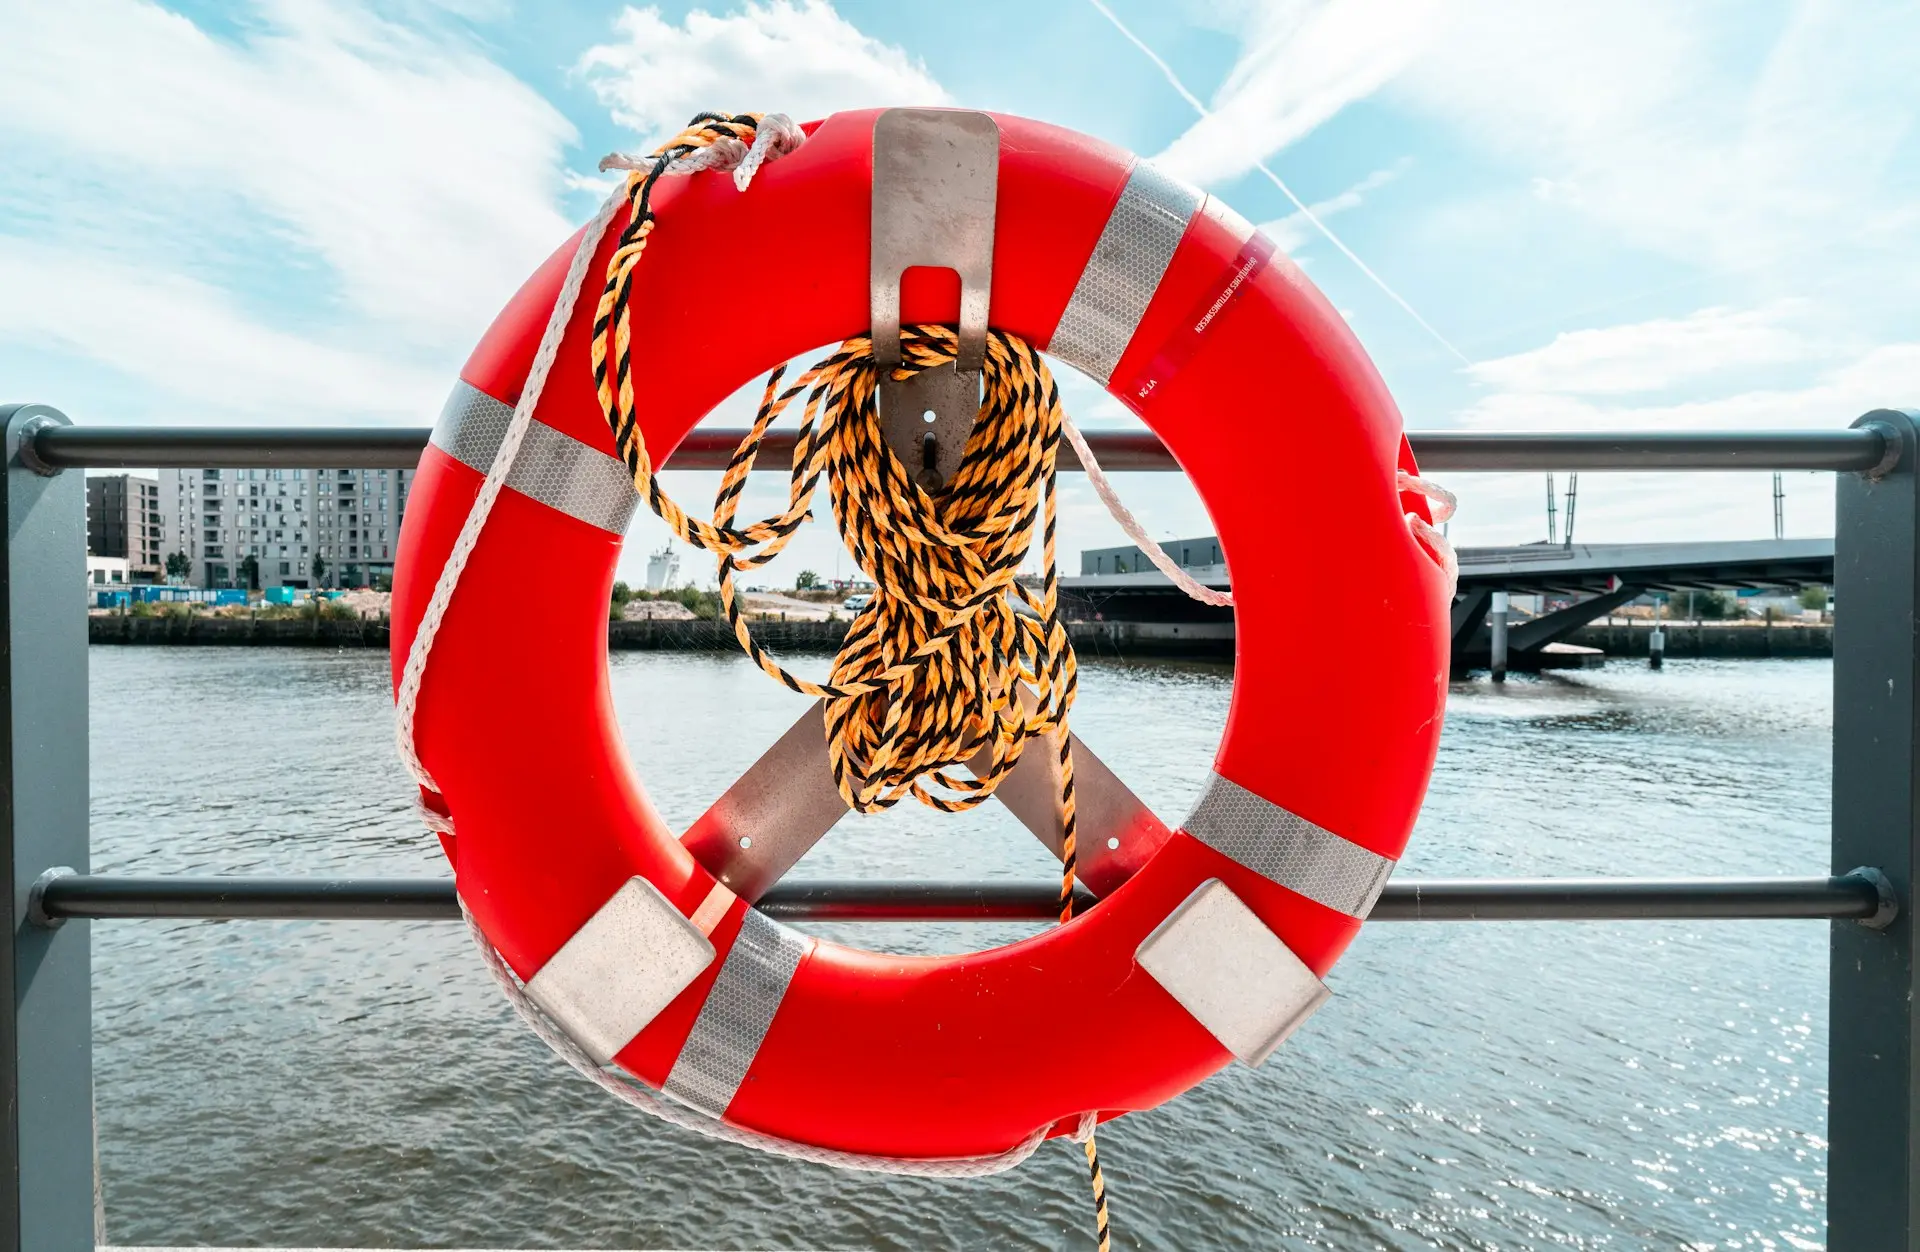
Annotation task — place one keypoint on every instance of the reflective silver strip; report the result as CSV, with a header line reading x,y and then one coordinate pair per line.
x,y
554,468
739,1009
1124,271
1288,848
629,961
1237,978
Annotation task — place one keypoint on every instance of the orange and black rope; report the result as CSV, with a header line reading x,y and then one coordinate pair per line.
x,y
933,672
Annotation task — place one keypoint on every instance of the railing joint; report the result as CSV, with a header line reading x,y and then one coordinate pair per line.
x,y
1885,892
29,445
37,914
1891,449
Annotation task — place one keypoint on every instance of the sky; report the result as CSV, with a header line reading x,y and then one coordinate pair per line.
x,y
1633,214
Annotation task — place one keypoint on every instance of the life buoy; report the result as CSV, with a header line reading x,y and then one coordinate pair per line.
x,y
1214,944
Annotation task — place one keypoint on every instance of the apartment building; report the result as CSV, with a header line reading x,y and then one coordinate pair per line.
x,y
284,527
123,520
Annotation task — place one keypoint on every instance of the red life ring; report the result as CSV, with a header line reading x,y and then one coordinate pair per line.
x,y
1254,383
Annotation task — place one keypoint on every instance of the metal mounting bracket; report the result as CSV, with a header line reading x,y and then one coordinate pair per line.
x,y
936,173
29,451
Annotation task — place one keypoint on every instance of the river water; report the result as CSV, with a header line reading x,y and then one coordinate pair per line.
x,y
1506,1085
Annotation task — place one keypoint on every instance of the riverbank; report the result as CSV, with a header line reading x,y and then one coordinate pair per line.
x,y
1710,640
1192,640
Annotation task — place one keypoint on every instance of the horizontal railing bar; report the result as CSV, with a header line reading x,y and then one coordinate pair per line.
x,y
1856,449
211,447
1426,900
231,447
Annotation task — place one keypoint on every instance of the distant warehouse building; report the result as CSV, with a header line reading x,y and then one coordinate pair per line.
x,y
260,528
123,521
1201,553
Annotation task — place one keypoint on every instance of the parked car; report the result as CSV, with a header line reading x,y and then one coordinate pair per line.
x,y
854,603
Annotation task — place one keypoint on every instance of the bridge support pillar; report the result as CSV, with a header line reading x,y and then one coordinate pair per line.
x,y
1498,631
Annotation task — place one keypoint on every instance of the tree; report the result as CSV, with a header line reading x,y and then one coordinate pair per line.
x,y
622,593
1814,598
319,568
808,581
178,565
250,571
1709,606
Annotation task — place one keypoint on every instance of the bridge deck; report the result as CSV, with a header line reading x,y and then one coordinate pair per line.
x,y
1571,569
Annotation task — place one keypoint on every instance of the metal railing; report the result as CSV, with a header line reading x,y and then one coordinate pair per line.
x,y
1873,1192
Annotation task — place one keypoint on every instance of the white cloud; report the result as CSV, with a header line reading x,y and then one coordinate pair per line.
x,y
1723,135
1295,231
1715,134
420,175
1626,377
802,59
1847,386
1658,354
1301,62
189,340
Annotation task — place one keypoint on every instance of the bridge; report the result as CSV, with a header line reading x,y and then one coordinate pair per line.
x,y
1600,577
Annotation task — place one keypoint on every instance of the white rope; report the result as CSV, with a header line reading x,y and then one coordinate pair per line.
x,y
407,700
1443,504
776,136
666,1110
1121,514
771,142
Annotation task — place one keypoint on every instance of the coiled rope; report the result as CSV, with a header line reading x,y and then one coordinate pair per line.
x,y
931,671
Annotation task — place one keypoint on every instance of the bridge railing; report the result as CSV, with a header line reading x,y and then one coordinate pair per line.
x,y
47,1194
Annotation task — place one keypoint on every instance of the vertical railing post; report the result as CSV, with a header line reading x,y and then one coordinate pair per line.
x,y
1873,1194
46,1056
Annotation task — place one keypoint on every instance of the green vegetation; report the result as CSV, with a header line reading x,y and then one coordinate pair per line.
x,y
1814,598
250,572
178,565
808,581
1715,606
697,600
140,608
318,568
1701,606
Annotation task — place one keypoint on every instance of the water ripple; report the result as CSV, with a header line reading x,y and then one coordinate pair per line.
x,y
1600,1086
